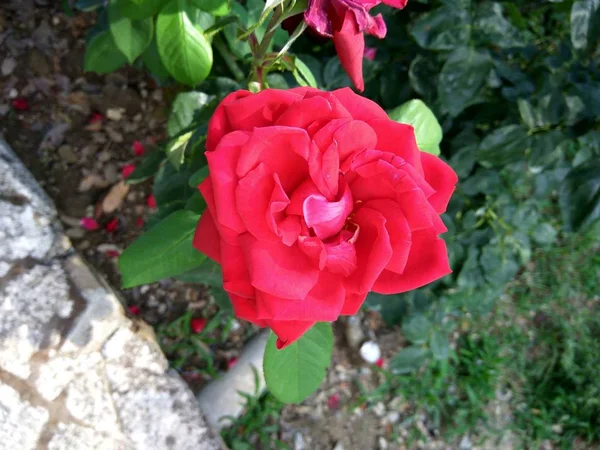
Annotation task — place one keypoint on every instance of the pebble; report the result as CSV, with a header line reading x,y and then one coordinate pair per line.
x,y
379,409
4,109
370,352
111,175
354,332
114,198
13,93
114,135
67,154
383,444
8,65
393,416
299,442
115,114
99,138
339,446
104,156
465,443
75,233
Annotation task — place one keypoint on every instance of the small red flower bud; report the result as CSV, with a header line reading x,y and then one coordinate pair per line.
x,y
89,223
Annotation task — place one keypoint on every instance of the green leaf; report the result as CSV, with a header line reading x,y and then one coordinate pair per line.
x,y
175,149
185,108
139,10
502,146
585,23
408,360
88,5
198,177
154,64
296,371
579,196
102,54
462,79
209,272
422,74
439,345
183,48
164,251
303,74
490,27
215,7
427,128
148,167
416,329
445,28
132,37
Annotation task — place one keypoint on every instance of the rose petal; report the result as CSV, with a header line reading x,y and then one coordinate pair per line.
x,y
206,237
127,170
290,274
323,303
341,254
373,250
361,108
259,110
327,218
283,149
288,331
151,201
89,223
398,229
353,303
138,148
442,179
398,138
222,163
349,44
219,125
427,262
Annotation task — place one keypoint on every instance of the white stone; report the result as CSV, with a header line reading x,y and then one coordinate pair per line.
x,y
129,349
74,437
370,352
221,397
21,424
8,65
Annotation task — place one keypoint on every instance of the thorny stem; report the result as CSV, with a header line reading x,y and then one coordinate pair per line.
x,y
261,50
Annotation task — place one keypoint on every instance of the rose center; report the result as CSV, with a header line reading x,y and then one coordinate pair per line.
x,y
327,218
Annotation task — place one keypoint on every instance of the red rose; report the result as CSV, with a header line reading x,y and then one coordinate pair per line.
x,y
345,21
314,199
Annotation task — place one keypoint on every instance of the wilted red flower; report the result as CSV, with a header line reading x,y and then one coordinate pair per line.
x,y
89,223
138,148
20,104
112,225
127,170
314,199
345,21
197,324
151,201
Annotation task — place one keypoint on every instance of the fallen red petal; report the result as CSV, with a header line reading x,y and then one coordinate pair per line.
x,y
20,104
231,362
96,117
197,325
89,223
135,310
139,222
138,148
112,225
151,201
380,363
127,170
333,402
111,253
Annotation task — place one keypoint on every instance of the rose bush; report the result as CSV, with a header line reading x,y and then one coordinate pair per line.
x,y
314,199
